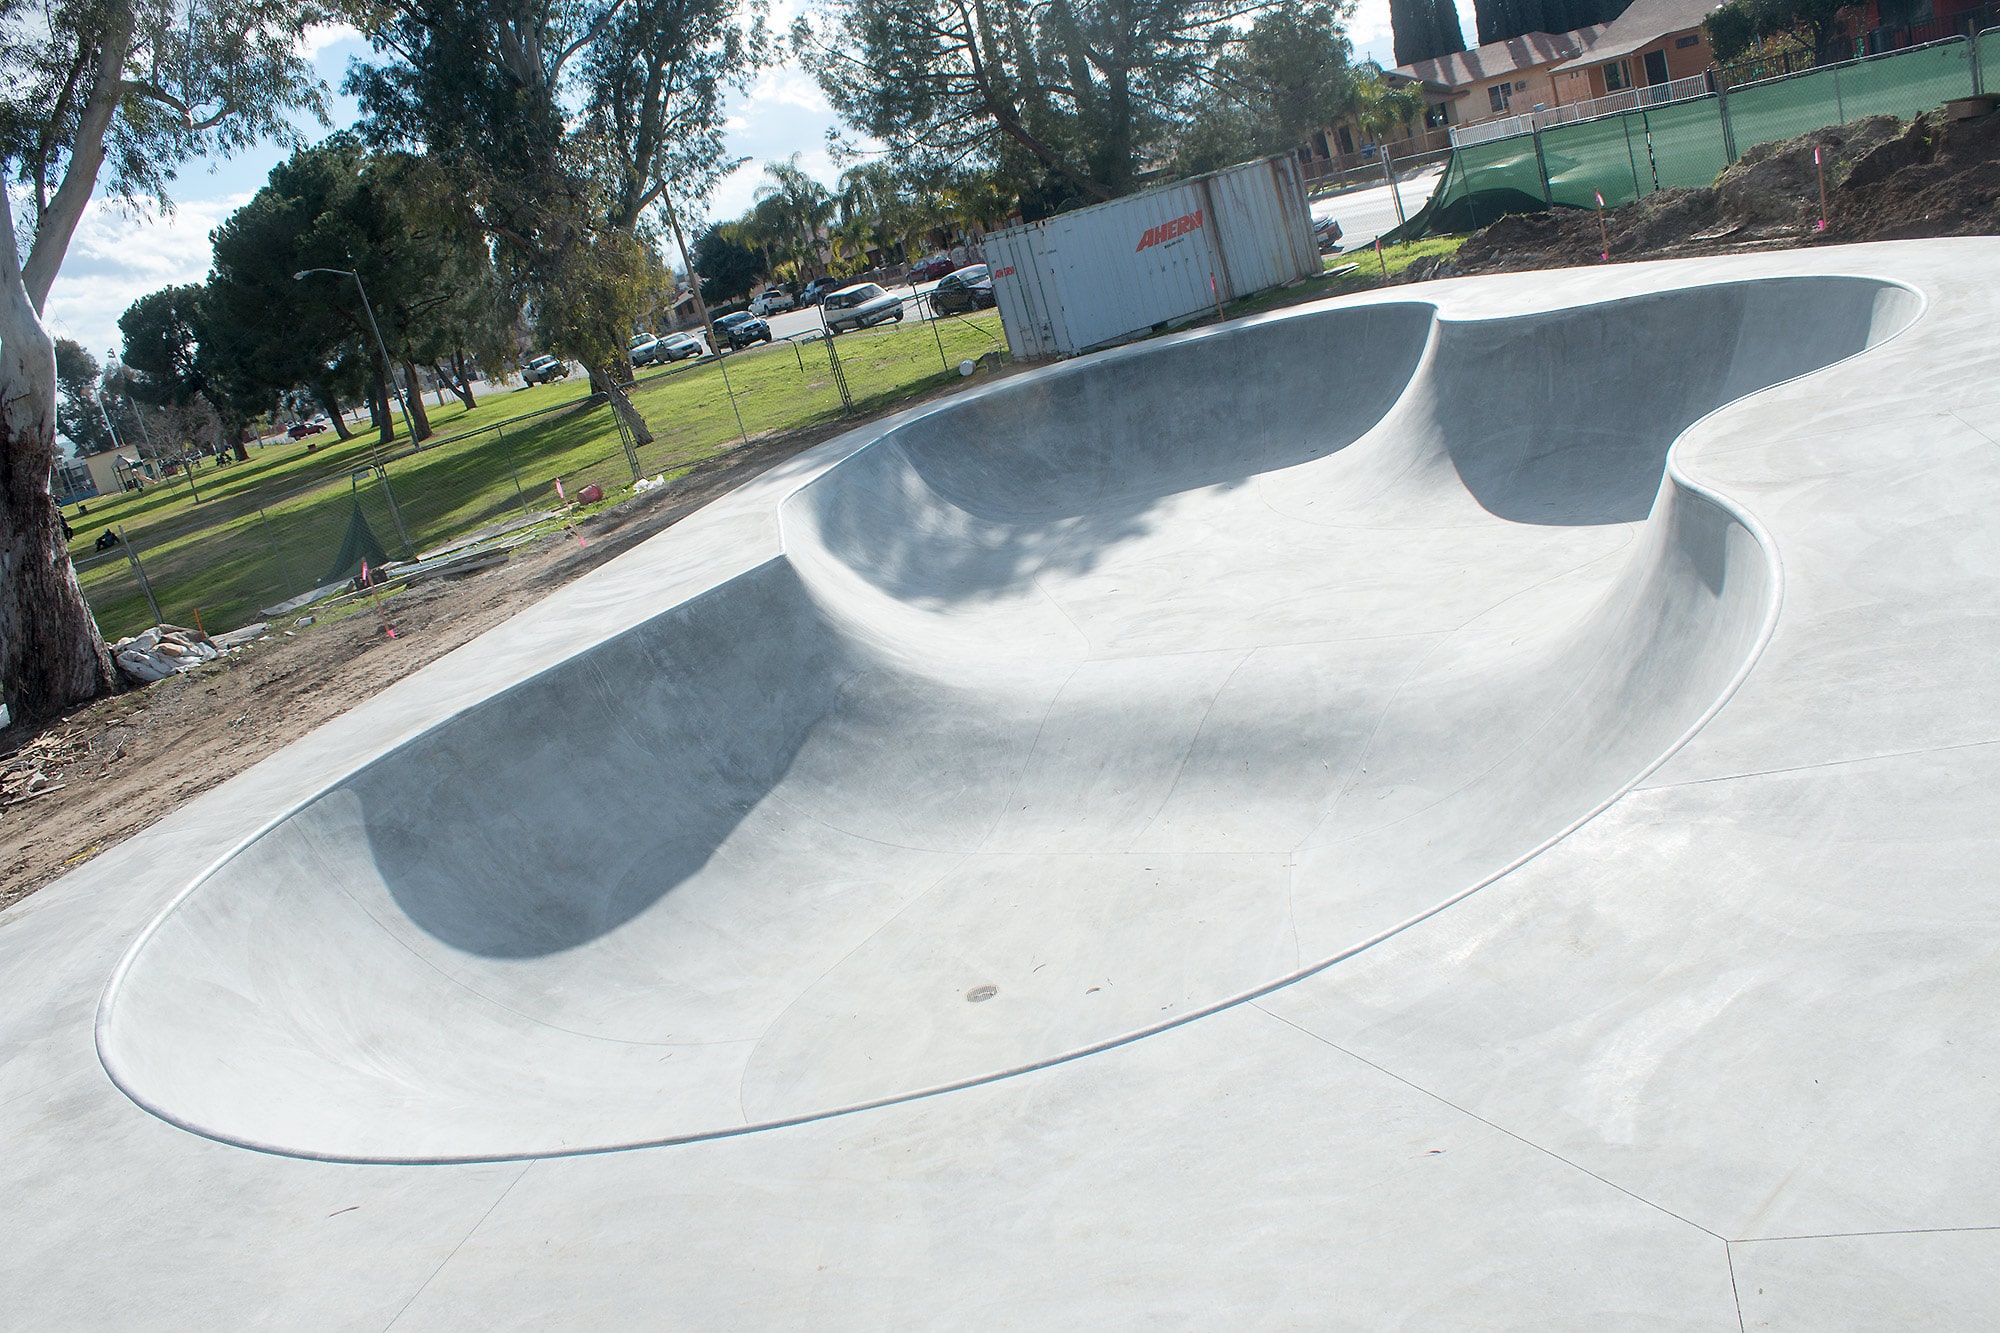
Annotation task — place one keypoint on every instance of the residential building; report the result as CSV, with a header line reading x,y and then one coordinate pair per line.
x,y
1652,43
1502,78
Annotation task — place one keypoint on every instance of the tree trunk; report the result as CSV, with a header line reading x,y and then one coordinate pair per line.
x,y
331,406
379,410
602,381
51,655
413,400
461,384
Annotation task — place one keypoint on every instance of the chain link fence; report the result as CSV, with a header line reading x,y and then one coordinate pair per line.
x,y
1683,145
271,537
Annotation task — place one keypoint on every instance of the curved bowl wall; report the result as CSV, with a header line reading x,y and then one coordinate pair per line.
x,y
1070,711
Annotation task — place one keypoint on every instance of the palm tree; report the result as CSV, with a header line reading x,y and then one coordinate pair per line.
x,y
1381,108
802,205
870,202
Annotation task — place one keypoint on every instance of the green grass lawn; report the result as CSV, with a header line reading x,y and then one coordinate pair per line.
x,y
270,528
289,465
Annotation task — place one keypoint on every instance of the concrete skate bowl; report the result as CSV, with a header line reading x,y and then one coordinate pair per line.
x,y
1071,710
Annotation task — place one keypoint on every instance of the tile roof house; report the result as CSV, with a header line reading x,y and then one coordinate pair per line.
x,y
1651,43
1502,78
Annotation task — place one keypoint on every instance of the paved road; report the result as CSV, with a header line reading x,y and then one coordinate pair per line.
x,y
788,322
1366,214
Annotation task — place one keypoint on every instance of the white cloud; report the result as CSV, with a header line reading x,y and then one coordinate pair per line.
x,y
120,253
323,35
788,85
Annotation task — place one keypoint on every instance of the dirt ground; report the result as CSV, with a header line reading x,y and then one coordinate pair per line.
x,y
72,788
1885,180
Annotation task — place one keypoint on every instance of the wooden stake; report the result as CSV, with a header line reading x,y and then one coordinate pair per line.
x,y
1819,169
368,582
1384,259
1603,231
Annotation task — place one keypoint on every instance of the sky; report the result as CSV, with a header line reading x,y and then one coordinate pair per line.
x,y
121,252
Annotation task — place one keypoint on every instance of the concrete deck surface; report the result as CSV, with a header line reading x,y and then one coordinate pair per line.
x,y
1468,807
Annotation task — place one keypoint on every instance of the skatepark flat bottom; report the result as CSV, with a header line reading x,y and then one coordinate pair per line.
x,y
1483,798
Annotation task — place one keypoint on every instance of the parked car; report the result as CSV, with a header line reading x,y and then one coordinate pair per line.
x,y
1327,232
543,369
934,267
678,347
859,306
643,350
817,289
771,300
743,328
305,428
963,291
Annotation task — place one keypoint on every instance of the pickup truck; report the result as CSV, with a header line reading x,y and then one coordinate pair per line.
x,y
544,369
770,301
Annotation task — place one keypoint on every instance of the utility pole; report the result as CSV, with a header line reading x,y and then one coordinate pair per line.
x,y
388,364
694,278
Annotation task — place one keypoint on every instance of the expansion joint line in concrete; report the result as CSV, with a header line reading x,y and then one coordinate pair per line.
x,y
1846,762
1864,1235
1474,1115
1735,1293
471,1231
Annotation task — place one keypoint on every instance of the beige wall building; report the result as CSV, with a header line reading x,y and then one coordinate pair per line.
x,y
1502,78
1653,42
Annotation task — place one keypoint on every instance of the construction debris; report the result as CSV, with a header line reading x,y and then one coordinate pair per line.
x,y
162,651
32,771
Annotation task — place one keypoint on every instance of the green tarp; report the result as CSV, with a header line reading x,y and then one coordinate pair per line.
x,y
359,544
1683,145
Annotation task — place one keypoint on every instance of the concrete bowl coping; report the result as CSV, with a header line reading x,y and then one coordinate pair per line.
x,y
1494,779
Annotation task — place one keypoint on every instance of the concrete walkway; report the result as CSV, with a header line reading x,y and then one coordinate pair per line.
x,y
1470,807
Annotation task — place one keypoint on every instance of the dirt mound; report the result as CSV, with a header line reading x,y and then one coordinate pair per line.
x,y
1778,183
1941,177
1884,181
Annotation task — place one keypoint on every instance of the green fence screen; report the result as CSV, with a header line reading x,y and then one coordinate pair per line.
x,y
1682,145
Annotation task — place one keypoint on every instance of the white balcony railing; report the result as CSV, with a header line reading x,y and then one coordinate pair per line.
x,y
1630,99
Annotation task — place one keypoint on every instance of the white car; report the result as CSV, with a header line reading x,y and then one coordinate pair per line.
x,y
859,306
643,349
770,301
678,347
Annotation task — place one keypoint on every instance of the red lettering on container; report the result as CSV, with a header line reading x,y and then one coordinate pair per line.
x,y
1167,231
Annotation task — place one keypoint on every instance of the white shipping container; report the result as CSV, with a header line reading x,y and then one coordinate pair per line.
x,y
1080,280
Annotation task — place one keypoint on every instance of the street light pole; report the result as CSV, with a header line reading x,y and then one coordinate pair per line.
x,y
388,365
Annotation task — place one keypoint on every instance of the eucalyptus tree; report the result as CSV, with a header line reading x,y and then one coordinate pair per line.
x,y
563,125
1283,78
1085,90
119,93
